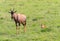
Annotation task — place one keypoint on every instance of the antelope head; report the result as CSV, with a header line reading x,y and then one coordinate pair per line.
x,y
12,12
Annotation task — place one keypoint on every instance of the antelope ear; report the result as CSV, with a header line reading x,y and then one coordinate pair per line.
x,y
15,11
9,12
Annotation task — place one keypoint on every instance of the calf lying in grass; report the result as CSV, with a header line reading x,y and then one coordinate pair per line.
x,y
19,19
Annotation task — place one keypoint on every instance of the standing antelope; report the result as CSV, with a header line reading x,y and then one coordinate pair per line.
x,y
19,19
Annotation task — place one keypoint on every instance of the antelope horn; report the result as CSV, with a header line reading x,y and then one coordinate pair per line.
x,y
10,9
13,9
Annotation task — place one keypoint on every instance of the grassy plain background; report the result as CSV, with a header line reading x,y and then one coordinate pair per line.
x,y
45,11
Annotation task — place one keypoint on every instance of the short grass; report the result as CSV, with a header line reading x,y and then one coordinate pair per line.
x,y
43,11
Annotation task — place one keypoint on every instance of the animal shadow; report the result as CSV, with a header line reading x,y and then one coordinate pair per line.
x,y
46,30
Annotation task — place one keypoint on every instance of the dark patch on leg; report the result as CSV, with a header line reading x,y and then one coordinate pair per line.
x,y
19,24
23,23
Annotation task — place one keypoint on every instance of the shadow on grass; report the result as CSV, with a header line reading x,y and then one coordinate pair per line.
x,y
3,33
58,26
46,30
1,18
8,35
6,40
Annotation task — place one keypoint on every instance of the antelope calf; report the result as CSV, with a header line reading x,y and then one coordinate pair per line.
x,y
19,19
43,26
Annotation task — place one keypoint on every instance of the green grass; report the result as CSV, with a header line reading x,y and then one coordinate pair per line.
x,y
44,11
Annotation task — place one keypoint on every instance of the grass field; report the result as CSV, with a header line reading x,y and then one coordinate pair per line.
x,y
44,11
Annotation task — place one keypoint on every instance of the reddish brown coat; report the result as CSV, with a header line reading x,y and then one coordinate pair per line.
x,y
19,19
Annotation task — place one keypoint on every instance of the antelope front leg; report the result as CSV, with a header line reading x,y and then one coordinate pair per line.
x,y
17,30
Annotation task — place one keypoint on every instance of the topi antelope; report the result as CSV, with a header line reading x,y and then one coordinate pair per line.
x,y
19,19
